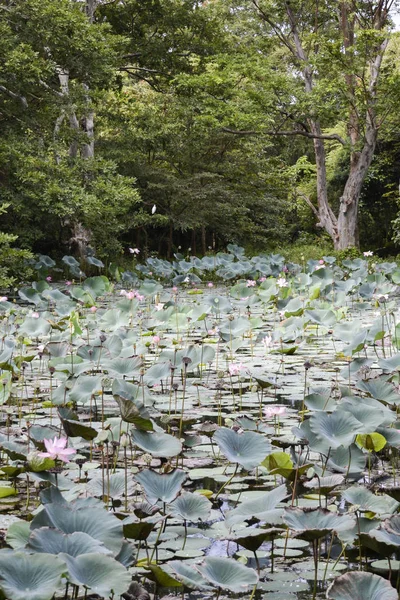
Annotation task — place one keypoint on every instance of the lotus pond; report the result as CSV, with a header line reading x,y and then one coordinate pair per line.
x,y
172,437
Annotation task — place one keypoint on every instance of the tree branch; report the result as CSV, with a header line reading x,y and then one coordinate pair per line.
x,y
14,96
307,134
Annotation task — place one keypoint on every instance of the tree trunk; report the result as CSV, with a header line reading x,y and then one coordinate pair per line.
x,y
348,211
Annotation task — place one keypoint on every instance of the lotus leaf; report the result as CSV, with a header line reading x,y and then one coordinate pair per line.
x,y
53,541
247,449
337,429
314,523
161,486
30,576
262,508
227,574
361,586
86,515
365,500
157,443
102,574
188,576
191,507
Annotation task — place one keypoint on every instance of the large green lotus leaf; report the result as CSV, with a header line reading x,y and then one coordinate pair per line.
x,y
30,295
361,586
233,329
78,429
362,526
138,529
252,538
320,401
262,508
114,486
365,500
227,574
127,367
247,449
84,388
369,416
348,331
35,328
324,318
133,411
30,576
337,429
389,365
324,484
157,443
102,574
188,576
130,391
161,486
15,449
113,319
53,541
314,523
18,534
191,507
97,286
90,518
383,542
158,372
316,442
349,460
380,390
218,304
393,524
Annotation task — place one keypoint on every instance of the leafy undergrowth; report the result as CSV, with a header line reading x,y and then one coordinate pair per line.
x,y
211,441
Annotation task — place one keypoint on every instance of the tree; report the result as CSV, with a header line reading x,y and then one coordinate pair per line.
x,y
55,66
333,55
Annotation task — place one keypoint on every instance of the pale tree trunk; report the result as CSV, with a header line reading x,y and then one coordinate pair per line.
x,y
362,129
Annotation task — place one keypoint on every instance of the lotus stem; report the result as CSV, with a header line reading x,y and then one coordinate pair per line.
x,y
253,592
227,482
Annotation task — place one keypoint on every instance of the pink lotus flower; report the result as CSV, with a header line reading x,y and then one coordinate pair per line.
x,y
156,339
250,283
56,449
236,369
93,309
210,284
321,261
49,278
368,253
3,299
262,279
35,315
134,250
68,282
274,411
130,295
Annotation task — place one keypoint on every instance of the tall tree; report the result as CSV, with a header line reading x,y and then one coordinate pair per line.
x,y
333,55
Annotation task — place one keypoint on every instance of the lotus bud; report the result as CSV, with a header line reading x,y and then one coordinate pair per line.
x,y
124,441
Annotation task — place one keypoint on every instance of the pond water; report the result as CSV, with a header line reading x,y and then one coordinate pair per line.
x,y
234,439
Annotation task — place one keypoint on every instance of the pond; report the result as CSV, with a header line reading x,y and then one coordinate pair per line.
x,y
203,441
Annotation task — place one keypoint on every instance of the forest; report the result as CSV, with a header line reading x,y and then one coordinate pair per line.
x,y
262,123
